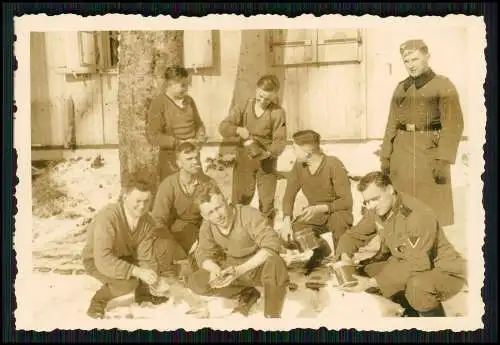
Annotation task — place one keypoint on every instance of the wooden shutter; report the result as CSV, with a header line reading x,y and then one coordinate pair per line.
x,y
80,50
292,47
337,46
198,49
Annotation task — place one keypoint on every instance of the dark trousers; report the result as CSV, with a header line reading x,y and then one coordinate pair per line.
x,y
337,223
116,287
425,290
272,275
175,247
247,173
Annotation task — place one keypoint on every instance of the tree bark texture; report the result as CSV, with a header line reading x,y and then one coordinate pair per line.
x,y
143,57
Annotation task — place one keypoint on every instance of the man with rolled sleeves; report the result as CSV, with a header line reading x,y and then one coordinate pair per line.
x,y
325,183
416,265
258,128
423,132
239,247
119,249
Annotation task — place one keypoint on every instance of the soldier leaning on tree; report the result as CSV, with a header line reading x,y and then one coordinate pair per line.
x,y
423,132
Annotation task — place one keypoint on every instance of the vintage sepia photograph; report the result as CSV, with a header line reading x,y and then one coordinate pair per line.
x,y
259,172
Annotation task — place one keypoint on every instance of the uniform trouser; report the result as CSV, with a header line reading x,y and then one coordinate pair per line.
x,y
167,164
425,290
112,287
337,223
246,173
272,275
175,247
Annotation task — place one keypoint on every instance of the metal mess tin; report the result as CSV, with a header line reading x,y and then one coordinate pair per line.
x,y
344,272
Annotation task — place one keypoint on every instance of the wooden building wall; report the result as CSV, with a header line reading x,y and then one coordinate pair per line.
x,y
337,84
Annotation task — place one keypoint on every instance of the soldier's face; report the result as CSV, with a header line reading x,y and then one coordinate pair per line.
x,y
137,202
216,211
378,199
264,98
416,63
302,153
178,88
189,162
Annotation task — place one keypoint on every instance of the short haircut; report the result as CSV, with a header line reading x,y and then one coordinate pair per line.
x,y
206,191
175,73
185,147
134,182
380,179
269,83
307,137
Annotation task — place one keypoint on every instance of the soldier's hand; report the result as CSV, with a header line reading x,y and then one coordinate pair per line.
x,y
243,133
145,274
385,166
439,171
309,212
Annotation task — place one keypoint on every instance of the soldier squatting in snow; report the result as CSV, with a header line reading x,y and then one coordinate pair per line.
x,y
233,248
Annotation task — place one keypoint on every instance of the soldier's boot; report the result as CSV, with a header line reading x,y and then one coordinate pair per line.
x,y
248,298
400,298
98,303
274,299
317,257
142,295
436,312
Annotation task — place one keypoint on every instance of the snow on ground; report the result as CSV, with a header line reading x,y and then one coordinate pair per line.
x,y
77,188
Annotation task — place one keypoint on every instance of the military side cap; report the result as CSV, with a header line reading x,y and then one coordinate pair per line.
x,y
411,45
306,137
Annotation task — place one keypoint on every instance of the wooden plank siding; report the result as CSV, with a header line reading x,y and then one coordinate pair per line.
x,y
341,90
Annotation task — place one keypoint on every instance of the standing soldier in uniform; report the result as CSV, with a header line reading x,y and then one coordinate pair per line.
x,y
261,126
173,118
326,186
416,265
423,132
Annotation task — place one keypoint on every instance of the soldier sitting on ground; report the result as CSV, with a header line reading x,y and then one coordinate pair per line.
x,y
119,249
238,250
416,266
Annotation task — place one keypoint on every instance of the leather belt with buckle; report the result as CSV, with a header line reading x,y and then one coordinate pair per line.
x,y
411,127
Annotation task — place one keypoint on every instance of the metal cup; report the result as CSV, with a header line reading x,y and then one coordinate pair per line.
x,y
344,272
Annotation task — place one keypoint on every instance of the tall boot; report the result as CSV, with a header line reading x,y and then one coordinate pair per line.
x,y
248,298
99,302
274,299
142,294
317,257
400,299
436,312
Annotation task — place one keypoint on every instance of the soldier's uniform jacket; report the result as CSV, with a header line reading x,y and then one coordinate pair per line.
x,y
412,240
425,123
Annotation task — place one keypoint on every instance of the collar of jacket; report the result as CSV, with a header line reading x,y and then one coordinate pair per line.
x,y
419,81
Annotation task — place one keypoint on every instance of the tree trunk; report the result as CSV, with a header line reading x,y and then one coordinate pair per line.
x,y
143,56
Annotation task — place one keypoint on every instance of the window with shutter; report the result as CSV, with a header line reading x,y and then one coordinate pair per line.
x,y
292,47
80,53
337,46
198,49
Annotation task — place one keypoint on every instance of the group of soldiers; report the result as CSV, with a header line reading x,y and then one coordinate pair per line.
x,y
231,247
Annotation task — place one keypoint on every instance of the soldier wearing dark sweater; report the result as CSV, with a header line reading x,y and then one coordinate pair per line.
x,y
119,249
177,216
326,186
260,121
173,118
239,247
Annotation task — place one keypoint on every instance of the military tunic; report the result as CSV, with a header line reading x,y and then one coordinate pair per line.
x,y
416,257
425,123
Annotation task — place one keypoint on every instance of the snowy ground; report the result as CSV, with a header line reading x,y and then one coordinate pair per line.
x,y
63,292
